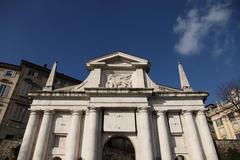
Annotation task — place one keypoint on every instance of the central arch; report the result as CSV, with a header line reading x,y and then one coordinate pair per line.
x,y
118,148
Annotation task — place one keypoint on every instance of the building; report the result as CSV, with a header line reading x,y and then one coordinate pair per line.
x,y
118,112
15,82
226,121
211,128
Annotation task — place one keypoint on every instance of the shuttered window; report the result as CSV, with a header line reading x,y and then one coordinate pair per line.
x,y
4,90
25,88
219,122
19,113
9,73
32,73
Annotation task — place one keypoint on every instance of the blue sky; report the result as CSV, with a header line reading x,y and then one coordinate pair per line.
x,y
204,35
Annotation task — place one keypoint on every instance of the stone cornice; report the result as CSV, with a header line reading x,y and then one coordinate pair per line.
x,y
202,95
119,91
56,94
94,91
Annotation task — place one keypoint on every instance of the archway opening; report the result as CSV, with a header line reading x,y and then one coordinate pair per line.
x,y
57,158
180,157
118,148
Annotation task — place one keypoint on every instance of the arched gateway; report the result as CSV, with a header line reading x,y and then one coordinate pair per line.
x,y
118,98
118,148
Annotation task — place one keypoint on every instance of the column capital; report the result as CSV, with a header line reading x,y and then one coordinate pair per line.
x,y
48,111
93,109
187,112
161,111
143,109
34,111
77,112
201,112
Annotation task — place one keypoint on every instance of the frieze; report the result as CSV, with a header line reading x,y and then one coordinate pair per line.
x,y
119,81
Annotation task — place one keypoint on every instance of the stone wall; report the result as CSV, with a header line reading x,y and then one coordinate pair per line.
x,y
228,149
9,149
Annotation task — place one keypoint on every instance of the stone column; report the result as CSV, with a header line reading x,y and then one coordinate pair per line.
x,y
216,130
73,136
228,128
163,135
43,136
207,141
92,134
194,146
144,133
230,124
29,136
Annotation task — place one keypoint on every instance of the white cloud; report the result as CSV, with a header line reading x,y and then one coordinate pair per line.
x,y
217,15
197,24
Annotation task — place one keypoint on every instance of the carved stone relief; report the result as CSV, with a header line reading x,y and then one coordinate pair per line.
x,y
119,81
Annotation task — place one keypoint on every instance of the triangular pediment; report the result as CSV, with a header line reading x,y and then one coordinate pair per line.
x,y
118,59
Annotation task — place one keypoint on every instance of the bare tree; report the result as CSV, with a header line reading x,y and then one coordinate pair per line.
x,y
229,93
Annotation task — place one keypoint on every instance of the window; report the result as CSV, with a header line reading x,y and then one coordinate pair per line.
x,y
4,89
9,73
237,135
32,73
222,131
19,113
25,88
219,122
231,116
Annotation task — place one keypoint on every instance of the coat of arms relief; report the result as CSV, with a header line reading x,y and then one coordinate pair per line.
x,y
119,81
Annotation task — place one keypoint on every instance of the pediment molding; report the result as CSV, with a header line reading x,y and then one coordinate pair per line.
x,y
118,60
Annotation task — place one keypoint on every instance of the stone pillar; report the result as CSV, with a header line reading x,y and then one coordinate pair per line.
x,y
92,134
230,124
194,146
29,136
73,136
228,128
43,136
144,133
216,130
163,135
207,141
138,78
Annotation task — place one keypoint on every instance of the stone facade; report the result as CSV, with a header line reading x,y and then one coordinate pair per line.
x,y
118,111
225,121
15,82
